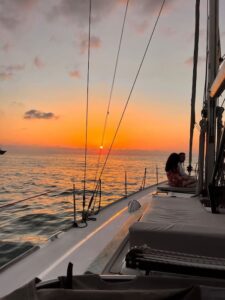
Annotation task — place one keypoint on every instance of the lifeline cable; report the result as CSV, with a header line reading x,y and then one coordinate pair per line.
x,y
128,99
87,102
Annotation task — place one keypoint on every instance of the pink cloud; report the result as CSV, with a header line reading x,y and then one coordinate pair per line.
x,y
141,27
74,74
5,76
95,42
38,62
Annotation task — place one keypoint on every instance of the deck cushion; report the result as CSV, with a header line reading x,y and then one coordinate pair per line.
x,y
180,224
168,188
190,239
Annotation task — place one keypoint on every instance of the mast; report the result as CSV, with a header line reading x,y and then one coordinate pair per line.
x,y
194,82
213,64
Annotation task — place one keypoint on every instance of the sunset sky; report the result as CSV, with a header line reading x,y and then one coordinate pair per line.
x,y
43,72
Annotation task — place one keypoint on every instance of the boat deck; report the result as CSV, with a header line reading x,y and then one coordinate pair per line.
x,y
167,221
179,223
80,246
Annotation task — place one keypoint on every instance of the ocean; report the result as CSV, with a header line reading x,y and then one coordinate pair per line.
x,y
46,180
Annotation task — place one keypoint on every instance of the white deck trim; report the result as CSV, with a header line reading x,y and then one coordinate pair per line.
x,y
70,251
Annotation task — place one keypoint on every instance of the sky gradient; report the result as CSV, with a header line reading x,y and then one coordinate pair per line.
x,y
43,73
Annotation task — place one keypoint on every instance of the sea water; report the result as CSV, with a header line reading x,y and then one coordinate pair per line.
x,y
47,181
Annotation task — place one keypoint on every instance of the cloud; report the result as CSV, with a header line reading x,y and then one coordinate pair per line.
x,y
141,27
78,10
36,114
5,76
8,71
38,62
13,12
189,61
74,74
144,10
13,68
95,42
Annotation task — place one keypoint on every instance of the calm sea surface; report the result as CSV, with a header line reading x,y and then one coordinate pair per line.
x,y
33,221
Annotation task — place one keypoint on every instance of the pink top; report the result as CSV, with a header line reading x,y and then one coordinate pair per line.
x,y
174,178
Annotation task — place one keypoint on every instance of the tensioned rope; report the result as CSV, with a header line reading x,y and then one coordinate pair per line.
x,y
128,99
111,92
19,201
87,104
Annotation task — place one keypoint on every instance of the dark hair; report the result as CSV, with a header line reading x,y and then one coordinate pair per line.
x,y
172,162
181,157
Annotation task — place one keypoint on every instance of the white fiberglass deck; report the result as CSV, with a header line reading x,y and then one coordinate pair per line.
x,y
79,246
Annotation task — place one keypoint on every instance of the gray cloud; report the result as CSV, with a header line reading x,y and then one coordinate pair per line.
x,y
8,71
36,114
78,10
149,7
13,68
146,9
13,12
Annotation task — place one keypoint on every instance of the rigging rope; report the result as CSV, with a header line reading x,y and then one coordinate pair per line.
x,y
111,91
87,104
194,80
129,96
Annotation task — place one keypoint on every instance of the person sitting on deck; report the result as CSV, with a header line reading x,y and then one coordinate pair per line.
x,y
174,177
181,164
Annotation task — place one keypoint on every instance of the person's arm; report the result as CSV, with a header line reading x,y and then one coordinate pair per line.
x,y
181,170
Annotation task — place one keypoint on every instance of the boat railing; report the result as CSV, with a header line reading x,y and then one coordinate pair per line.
x,y
36,219
74,203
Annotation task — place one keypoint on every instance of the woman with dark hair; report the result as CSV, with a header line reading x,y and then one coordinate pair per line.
x,y
173,175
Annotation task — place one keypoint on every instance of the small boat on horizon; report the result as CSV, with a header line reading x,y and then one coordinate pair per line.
x,y
2,152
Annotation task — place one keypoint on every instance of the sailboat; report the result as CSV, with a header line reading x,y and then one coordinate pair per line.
x,y
160,243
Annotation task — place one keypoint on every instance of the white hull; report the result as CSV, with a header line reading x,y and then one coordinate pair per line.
x,y
79,246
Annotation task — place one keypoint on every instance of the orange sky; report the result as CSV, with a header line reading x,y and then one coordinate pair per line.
x,y
43,73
